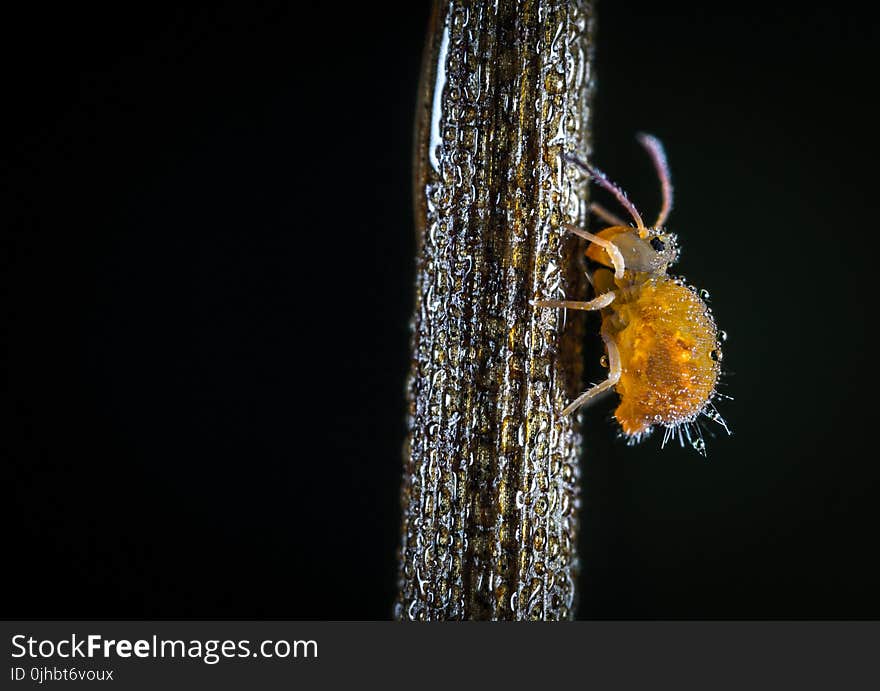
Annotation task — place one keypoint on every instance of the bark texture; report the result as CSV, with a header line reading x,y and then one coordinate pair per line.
x,y
490,489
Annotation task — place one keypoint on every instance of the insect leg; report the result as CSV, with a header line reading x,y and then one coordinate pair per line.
x,y
595,304
607,245
606,215
614,371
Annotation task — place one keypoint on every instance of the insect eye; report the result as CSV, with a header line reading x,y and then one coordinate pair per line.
x,y
658,244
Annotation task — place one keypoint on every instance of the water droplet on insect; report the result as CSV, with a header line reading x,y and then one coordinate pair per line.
x,y
723,336
704,294
716,355
603,361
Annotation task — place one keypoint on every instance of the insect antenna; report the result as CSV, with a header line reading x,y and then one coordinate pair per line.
x,y
658,158
603,180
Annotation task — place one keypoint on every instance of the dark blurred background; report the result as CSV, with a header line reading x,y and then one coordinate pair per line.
x,y
204,415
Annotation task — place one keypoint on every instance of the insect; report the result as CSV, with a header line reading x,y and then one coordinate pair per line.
x,y
663,348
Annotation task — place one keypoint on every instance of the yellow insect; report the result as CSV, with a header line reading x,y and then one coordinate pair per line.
x,y
663,349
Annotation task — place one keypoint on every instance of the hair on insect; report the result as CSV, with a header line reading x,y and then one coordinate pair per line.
x,y
663,349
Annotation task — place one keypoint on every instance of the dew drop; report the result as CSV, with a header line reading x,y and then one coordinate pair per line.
x,y
723,336
603,361
704,294
554,82
541,506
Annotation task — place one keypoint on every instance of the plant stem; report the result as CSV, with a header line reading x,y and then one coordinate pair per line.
x,y
490,490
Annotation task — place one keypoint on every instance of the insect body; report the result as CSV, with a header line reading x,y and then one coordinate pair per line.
x,y
662,344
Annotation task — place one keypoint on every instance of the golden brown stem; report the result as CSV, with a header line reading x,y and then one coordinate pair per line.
x,y
490,488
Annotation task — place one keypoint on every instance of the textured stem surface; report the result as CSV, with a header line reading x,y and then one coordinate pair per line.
x,y
490,487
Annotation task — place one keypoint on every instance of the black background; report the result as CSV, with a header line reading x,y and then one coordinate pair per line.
x,y
207,258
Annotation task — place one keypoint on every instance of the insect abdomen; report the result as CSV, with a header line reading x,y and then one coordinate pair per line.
x,y
666,337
